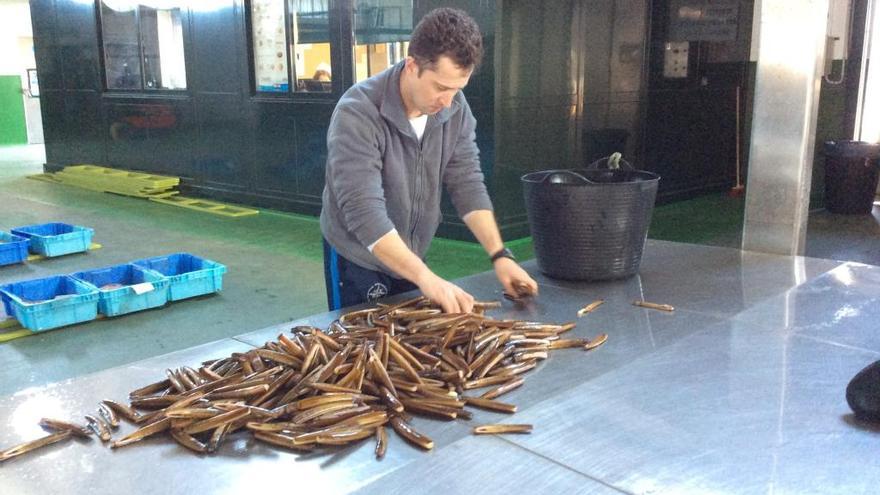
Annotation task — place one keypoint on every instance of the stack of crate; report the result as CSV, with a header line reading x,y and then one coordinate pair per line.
x,y
158,188
114,181
61,300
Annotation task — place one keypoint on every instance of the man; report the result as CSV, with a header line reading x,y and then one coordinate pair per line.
x,y
394,141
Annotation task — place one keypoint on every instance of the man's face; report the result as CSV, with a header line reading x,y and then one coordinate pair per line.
x,y
434,89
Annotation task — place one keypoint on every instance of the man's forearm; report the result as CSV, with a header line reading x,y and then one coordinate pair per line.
x,y
482,224
394,253
513,278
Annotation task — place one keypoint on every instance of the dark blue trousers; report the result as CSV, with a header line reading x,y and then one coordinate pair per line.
x,y
349,284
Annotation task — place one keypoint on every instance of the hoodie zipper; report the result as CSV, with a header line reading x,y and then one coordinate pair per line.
x,y
416,212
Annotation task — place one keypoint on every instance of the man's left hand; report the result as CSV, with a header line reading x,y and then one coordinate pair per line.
x,y
514,279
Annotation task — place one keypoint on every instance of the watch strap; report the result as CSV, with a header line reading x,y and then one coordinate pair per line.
x,y
502,253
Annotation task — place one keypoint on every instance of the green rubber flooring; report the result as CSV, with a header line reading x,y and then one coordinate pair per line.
x,y
274,261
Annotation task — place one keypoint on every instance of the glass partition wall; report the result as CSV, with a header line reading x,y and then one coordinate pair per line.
x,y
381,35
291,41
143,45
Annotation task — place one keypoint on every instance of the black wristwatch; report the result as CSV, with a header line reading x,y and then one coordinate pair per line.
x,y
503,253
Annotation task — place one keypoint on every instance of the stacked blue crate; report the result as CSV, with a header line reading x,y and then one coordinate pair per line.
x,y
126,288
56,239
52,302
190,276
13,249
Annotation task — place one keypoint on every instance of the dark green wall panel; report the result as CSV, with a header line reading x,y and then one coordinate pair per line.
x,y
151,135
561,82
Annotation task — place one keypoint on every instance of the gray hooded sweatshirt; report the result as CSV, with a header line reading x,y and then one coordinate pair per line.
x,y
379,176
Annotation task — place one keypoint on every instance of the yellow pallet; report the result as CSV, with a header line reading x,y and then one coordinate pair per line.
x,y
153,180
45,178
206,206
142,194
127,176
152,187
89,181
111,183
115,181
104,186
150,194
10,329
39,257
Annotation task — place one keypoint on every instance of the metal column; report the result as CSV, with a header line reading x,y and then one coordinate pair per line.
x,y
791,57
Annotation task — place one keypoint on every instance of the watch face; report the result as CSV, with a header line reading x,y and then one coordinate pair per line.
x,y
504,253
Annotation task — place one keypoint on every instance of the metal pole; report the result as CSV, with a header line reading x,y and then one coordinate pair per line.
x,y
791,58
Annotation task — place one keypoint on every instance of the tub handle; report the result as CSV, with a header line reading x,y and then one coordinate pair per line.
x,y
613,162
552,177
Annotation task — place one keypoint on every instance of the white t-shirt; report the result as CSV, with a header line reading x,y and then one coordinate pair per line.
x,y
418,124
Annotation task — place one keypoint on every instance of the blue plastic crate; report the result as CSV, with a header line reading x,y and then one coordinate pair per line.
x,y
118,297
52,302
56,239
13,249
189,275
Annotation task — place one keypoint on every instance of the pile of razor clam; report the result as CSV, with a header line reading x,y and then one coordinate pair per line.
x,y
371,369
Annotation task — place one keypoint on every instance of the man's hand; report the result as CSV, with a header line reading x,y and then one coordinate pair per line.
x,y
449,296
516,282
391,250
514,279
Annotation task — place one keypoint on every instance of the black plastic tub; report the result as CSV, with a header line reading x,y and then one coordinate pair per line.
x,y
591,223
852,169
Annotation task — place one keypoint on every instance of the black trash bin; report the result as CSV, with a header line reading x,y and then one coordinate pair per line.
x,y
851,172
590,224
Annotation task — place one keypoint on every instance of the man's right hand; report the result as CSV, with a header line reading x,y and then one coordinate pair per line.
x,y
450,297
393,253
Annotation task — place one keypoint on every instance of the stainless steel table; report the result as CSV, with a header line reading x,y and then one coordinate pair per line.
x,y
740,390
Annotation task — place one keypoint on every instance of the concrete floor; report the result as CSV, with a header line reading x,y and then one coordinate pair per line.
x,y
716,220
845,237
275,266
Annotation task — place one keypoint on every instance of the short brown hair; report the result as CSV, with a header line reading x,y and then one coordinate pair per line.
x,y
449,32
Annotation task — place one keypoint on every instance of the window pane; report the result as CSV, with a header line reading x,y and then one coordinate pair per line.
x,y
162,36
121,53
381,32
270,45
310,36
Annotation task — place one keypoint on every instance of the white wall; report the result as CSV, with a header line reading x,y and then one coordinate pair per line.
x,y
15,23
